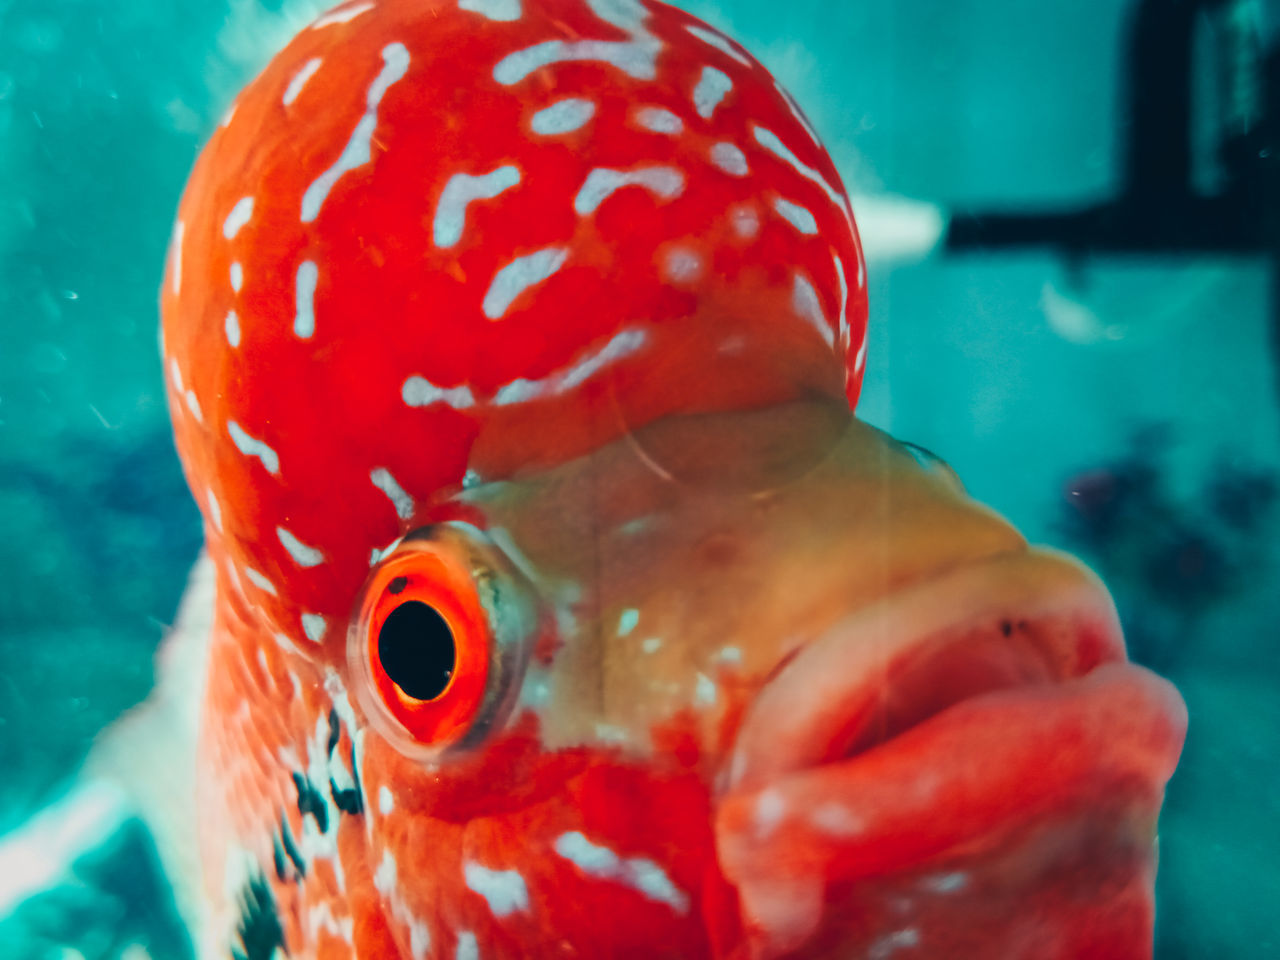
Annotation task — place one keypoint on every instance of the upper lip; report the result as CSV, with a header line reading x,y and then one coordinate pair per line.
x,y
1029,618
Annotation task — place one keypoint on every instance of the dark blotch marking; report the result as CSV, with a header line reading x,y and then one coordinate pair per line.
x,y
398,584
291,848
310,801
1006,627
350,800
277,858
258,929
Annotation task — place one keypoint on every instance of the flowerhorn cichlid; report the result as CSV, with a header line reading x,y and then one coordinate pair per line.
x,y
562,607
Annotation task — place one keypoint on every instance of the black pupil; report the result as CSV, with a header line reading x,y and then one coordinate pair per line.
x,y
416,648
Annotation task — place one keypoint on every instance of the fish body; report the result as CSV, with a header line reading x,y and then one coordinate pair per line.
x,y
562,607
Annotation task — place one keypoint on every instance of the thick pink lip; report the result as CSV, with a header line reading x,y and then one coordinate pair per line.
x,y
987,701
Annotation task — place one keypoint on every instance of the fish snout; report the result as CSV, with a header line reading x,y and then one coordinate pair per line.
x,y
969,767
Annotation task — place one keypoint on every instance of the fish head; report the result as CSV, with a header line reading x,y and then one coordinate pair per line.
x,y
788,678
563,607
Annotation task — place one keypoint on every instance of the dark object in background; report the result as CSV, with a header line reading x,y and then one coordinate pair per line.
x,y
1169,560
100,536
1160,211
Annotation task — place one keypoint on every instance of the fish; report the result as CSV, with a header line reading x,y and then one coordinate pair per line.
x,y
555,603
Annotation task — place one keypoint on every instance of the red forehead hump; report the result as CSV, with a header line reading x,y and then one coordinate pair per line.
x,y
484,235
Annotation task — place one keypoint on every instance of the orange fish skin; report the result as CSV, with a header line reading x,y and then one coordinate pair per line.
x,y
549,316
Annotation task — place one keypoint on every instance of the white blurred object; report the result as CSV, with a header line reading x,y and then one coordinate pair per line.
x,y
896,229
34,856
1134,303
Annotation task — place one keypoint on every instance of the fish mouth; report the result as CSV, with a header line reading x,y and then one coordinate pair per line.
x,y
984,725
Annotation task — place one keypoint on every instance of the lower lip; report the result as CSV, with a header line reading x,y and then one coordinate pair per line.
x,y
1041,800
945,742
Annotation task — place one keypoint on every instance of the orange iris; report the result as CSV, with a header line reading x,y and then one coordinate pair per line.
x,y
426,641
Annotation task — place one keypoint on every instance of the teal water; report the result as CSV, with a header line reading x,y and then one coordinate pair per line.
x,y
1121,407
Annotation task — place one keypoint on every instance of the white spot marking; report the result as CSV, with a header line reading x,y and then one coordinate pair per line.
x,y
384,878
843,319
769,140
627,622
746,221
659,120
359,148
636,57
682,266
891,943
300,79
321,916
314,626
664,182
378,555
861,357
503,11
232,327
730,159
303,555
175,254
503,890
771,807
730,655
193,405
251,447
237,276
386,802
240,214
805,302
624,342
705,690
226,117
836,820
519,275
712,87
304,321
215,510
719,42
342,16
384,881
462,189
946,882
384,481
259,581
610,733
651,644
286,644
799,217
420,392
638,873
563,116
419,938
468,949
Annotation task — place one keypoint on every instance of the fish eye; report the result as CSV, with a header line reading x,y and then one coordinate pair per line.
x,y
439,640
417,650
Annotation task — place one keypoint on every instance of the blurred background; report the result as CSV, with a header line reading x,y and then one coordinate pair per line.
x,y
1072,216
